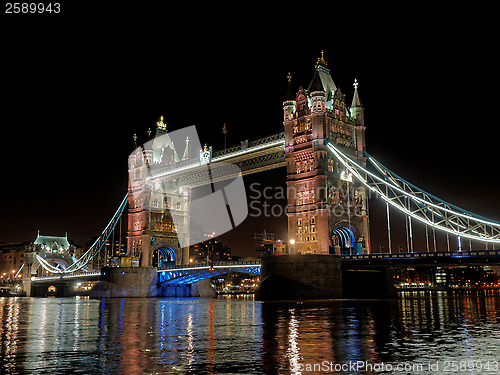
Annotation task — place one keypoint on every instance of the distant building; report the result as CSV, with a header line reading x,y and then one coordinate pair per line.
x,y
211,251
265,243
56,250
11,259
53,244
54,247
279,248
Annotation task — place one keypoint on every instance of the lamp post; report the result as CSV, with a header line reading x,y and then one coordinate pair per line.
x,y
292,247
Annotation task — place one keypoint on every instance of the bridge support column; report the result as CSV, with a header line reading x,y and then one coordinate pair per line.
x,y
30,267
300,277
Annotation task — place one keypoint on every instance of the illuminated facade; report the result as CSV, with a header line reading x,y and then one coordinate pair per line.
x,y
211,251
55,250
152,236
11,259
327,208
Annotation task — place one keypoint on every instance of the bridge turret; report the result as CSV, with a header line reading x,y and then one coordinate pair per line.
x,y
357,109
358,115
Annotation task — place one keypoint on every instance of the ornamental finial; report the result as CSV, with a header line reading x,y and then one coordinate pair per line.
x,y
161,125
289,77
321,60
355,84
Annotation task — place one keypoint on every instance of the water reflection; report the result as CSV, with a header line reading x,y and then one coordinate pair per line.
x,y
206,336
419,328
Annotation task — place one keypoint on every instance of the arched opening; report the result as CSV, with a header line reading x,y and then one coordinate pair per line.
x,y
344,238
163,256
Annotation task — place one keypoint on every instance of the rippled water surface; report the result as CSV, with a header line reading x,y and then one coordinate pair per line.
x,y
135,336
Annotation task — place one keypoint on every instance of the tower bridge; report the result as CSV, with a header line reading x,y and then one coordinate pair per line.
x,y
329,177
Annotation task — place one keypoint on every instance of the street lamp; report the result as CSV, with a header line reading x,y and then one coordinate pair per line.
x,y
292,242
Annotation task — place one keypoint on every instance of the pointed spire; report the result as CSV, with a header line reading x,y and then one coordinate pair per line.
x,y
289,94
316,84
149,134
186,150
356,102
357,110
134,137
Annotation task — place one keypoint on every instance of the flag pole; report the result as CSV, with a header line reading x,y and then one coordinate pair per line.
x,y
224,131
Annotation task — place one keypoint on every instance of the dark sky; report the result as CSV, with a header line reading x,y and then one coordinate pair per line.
x,y
76,87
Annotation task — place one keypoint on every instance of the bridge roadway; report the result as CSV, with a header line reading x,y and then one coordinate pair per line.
x,y
182,275
76,276
185,275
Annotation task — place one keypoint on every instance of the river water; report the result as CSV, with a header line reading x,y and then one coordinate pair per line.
x,y
420,333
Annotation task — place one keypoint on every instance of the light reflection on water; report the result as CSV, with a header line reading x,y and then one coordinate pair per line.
x,y
135,336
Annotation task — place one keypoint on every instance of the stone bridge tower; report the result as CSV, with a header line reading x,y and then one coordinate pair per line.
x,y
327,208
152,235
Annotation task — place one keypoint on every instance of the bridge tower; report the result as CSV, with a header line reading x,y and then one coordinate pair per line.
x,y
327,208
152,236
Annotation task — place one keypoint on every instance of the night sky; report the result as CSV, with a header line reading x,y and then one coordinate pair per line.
x,y
77,86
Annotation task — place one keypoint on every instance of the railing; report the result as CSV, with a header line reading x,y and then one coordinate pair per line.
x,y
441,254
66,276
205,265
249,145
219,156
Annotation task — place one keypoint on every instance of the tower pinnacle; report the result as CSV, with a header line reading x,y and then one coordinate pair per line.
x,y
289,95
161,125
321,61
357,111
356,102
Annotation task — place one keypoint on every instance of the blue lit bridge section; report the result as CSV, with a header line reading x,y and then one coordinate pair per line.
x,y
187,275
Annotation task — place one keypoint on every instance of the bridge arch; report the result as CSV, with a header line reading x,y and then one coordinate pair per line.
x,y
163,255
344,237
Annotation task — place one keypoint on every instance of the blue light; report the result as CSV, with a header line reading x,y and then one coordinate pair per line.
x,y
123,273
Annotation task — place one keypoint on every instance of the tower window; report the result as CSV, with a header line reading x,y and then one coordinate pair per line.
x,y
298,168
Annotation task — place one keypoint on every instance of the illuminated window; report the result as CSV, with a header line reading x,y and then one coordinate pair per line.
x,y
330,165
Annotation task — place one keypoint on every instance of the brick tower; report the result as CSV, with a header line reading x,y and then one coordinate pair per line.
x,y
327,208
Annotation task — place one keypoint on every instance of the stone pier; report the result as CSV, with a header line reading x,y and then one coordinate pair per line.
x,y
300,277
126,282
141,282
